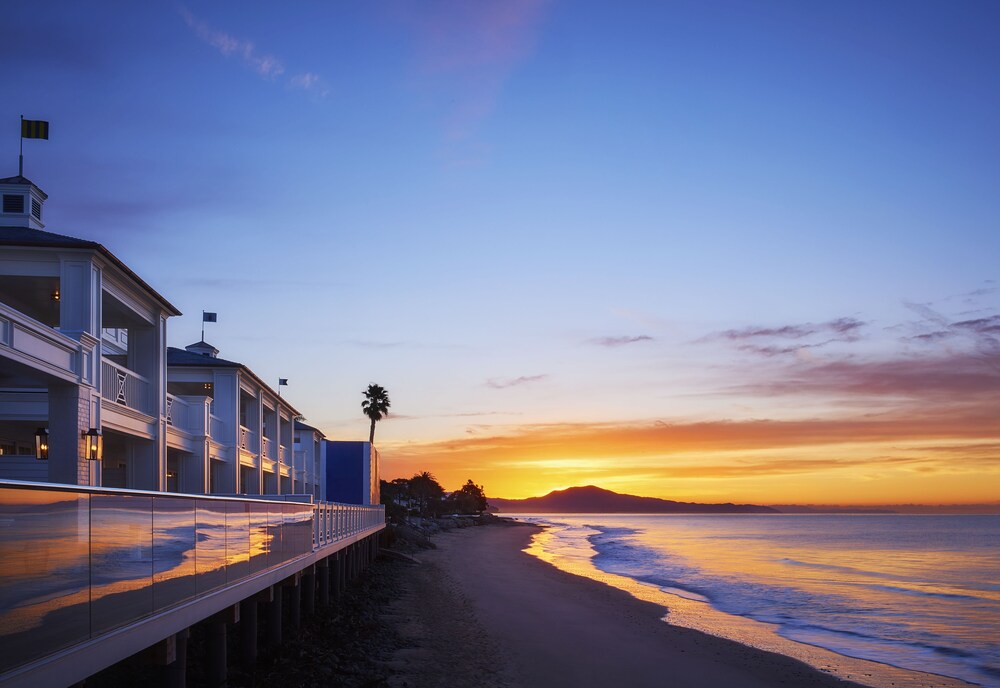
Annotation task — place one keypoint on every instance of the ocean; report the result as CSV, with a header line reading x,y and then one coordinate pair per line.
x,y
917,592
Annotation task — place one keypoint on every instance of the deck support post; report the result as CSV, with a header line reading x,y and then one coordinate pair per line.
x,y
176,674
248,632
273,628
309,591
294,602
324,582
216,664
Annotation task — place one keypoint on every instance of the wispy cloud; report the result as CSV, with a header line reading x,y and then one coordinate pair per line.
x,y
792,339
265,64
467,50
612,342
845,329
504,383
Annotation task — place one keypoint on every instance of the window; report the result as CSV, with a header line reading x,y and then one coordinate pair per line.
x,y
13,204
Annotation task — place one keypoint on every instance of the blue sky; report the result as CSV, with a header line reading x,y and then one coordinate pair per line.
x,y
528,214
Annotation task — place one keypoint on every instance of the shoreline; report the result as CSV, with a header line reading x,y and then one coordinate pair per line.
x,y
701,617
471,608
550,627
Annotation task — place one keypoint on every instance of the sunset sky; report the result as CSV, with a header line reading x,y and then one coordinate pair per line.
x,y
713,251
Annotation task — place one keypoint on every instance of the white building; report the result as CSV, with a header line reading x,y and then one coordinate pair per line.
x,y
228,431
82,350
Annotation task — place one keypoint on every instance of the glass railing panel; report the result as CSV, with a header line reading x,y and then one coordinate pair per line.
x,y
237,541
211,547
44,573
275,523
121,559
305,516
258,537
174,539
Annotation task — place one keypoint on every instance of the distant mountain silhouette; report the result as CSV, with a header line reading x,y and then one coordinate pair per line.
x,y
595,500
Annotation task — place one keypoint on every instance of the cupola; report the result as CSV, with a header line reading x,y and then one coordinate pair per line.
x,y
203,348
22,203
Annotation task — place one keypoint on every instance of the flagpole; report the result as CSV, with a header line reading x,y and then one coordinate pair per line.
x,y
20,156
203,326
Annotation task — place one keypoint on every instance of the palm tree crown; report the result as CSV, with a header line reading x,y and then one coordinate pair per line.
x,y
375,406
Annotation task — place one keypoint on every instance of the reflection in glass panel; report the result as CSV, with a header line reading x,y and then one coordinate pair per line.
x,y
258,537
237,541
121,559
211,548
44,576
275,523
303,515
173,550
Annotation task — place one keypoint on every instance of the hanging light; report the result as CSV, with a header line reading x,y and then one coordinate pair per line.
x,y
95,444
42,443
55,296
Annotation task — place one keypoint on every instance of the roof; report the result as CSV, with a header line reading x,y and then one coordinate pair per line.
x,y
181,358
25,236
22,180
299,425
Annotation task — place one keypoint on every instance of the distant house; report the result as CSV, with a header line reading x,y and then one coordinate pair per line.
x,y
82,356
309,459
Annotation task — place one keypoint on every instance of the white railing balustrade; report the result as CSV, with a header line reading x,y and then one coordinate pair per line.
x,y
123,386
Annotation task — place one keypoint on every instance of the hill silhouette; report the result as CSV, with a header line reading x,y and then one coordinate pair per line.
x,y
595,500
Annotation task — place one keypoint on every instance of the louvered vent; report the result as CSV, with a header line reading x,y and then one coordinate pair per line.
x,y
36,209
13,204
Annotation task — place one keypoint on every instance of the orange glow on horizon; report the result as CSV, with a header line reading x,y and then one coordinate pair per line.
x,y
851,462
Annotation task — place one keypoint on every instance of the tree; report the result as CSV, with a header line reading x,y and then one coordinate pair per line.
x,y
427,492
470,499
375,406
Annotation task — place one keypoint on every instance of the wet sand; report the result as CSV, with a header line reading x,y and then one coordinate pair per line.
x,y
478,611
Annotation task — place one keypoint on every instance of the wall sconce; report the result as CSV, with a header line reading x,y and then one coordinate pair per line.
x,y
42,443
55,296
95,444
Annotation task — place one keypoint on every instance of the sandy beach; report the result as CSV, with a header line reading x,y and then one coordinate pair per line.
x,y
480,612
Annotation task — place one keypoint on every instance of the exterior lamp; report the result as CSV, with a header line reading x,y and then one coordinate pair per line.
x,y
95,444
42,443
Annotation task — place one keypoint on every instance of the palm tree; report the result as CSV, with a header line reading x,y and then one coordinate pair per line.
x,y
375,406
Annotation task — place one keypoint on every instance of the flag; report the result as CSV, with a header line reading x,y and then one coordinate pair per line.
x,y
209,317
282,381
34,129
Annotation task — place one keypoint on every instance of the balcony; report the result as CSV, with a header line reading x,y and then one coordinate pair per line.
x,y
40,347
119,385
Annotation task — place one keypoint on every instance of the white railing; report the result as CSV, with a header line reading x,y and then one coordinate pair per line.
x,y
249,440
216,428
38,344
123,386
265,445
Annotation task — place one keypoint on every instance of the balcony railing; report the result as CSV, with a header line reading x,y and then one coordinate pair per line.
x,y
265,447
39,346
80,562
249,440
217,428
123,386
